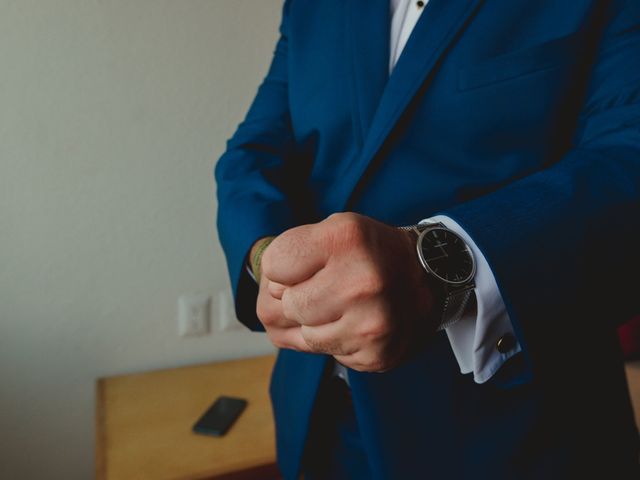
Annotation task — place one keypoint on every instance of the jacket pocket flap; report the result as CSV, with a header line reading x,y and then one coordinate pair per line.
x,y
521,62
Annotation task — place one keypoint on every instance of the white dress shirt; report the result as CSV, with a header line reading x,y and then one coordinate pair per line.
x,y
474,337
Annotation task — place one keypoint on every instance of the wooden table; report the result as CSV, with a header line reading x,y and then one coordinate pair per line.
x,y
143,424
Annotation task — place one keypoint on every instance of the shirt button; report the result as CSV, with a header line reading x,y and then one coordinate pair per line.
x,y
506,343
420,3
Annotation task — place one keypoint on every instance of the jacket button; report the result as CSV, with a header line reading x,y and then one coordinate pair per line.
x,y
420,3
506,343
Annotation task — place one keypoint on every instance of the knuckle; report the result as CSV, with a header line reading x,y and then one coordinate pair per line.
x,y
334,217
369,285
267,313
353,230
372,284
347,227
263,313
375,327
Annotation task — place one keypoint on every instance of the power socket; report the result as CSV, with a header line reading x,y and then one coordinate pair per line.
x,y
194,312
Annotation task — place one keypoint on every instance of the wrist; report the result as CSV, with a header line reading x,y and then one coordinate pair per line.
x,y
450,265
430,293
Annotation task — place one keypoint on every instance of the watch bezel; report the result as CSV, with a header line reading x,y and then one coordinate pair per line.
x,y
426,266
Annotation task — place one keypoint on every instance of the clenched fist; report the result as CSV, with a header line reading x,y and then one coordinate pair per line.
x,y
350,287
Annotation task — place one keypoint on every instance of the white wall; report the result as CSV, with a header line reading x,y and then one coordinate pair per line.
x,y
112,114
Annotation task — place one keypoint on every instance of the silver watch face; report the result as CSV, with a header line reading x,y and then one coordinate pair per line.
x,y
446,256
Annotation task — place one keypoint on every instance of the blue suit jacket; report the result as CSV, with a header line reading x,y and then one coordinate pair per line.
x,y
520,119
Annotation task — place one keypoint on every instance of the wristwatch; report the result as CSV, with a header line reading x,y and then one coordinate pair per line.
x,y
449,264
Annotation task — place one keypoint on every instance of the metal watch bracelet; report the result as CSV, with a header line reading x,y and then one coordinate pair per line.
x,y
456,301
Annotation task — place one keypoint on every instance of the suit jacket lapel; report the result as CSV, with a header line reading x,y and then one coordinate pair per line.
x,y
368,30
438,26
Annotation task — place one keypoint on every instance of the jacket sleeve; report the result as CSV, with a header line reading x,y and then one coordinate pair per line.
x,y
563,243
252,176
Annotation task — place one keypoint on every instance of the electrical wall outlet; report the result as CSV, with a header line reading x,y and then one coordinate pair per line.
x,y
194,314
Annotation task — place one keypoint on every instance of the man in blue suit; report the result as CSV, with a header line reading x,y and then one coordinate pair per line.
x,y
478,341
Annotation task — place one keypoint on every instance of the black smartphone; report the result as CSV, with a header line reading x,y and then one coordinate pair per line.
x,y
220,416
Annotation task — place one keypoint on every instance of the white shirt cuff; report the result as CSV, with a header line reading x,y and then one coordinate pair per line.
x,y
474,337
250,272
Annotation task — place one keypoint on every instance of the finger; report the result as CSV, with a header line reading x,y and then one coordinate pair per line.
x,y
331,338
367,360
350,361
316,301
275,289
290,338
296,254
359,363
270,312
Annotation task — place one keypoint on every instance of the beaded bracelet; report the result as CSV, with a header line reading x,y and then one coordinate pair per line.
x,y
257,257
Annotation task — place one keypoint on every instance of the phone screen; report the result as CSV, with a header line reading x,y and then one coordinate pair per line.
x,y
220,416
